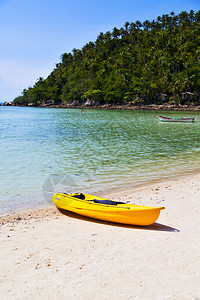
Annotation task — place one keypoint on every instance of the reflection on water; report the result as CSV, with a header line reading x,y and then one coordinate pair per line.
x,y
49,150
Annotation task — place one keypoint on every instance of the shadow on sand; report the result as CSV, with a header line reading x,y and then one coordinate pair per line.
x,y
155,226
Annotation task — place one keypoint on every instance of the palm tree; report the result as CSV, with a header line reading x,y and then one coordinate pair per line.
x,y
115,33
138,24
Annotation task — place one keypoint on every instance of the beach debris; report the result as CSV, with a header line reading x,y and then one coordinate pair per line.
x,y
37,266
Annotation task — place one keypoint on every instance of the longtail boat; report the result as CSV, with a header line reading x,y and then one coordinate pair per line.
x,y
184,120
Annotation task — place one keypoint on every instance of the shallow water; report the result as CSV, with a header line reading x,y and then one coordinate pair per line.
x,y
46,150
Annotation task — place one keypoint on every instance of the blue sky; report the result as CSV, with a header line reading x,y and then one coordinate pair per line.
x,y
34,33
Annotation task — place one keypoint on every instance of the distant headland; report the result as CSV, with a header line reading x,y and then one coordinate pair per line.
x,y
142,64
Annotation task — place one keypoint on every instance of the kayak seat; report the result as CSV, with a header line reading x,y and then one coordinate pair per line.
x,y
109,202
79,196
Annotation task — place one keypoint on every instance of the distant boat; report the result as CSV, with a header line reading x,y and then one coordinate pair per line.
x,y
184,120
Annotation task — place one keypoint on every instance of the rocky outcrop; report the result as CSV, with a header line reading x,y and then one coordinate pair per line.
x,y
7,104
130,106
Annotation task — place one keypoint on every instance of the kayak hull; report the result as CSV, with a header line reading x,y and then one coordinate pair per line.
x,y
120,213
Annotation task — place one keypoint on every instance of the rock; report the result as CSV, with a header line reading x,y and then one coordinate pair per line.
x,y
7,104
91,103
75,103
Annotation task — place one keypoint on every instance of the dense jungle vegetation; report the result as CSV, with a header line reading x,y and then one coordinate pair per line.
x,y
135,63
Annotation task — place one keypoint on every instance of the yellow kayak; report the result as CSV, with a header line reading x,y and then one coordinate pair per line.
x,y
107,210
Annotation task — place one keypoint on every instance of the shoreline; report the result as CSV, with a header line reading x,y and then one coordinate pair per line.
x,y
114,192
152,107
49,254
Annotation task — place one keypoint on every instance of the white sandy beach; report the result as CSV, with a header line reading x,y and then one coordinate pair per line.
x,y
49,255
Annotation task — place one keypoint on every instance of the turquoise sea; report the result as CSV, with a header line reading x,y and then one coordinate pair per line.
x,y
48,150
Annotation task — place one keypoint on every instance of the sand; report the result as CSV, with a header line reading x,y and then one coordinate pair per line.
x,y
49,255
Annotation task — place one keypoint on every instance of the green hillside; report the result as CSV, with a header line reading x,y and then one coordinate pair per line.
x,y
147,62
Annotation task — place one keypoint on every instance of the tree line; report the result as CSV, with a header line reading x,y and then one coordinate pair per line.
x,y
135,63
